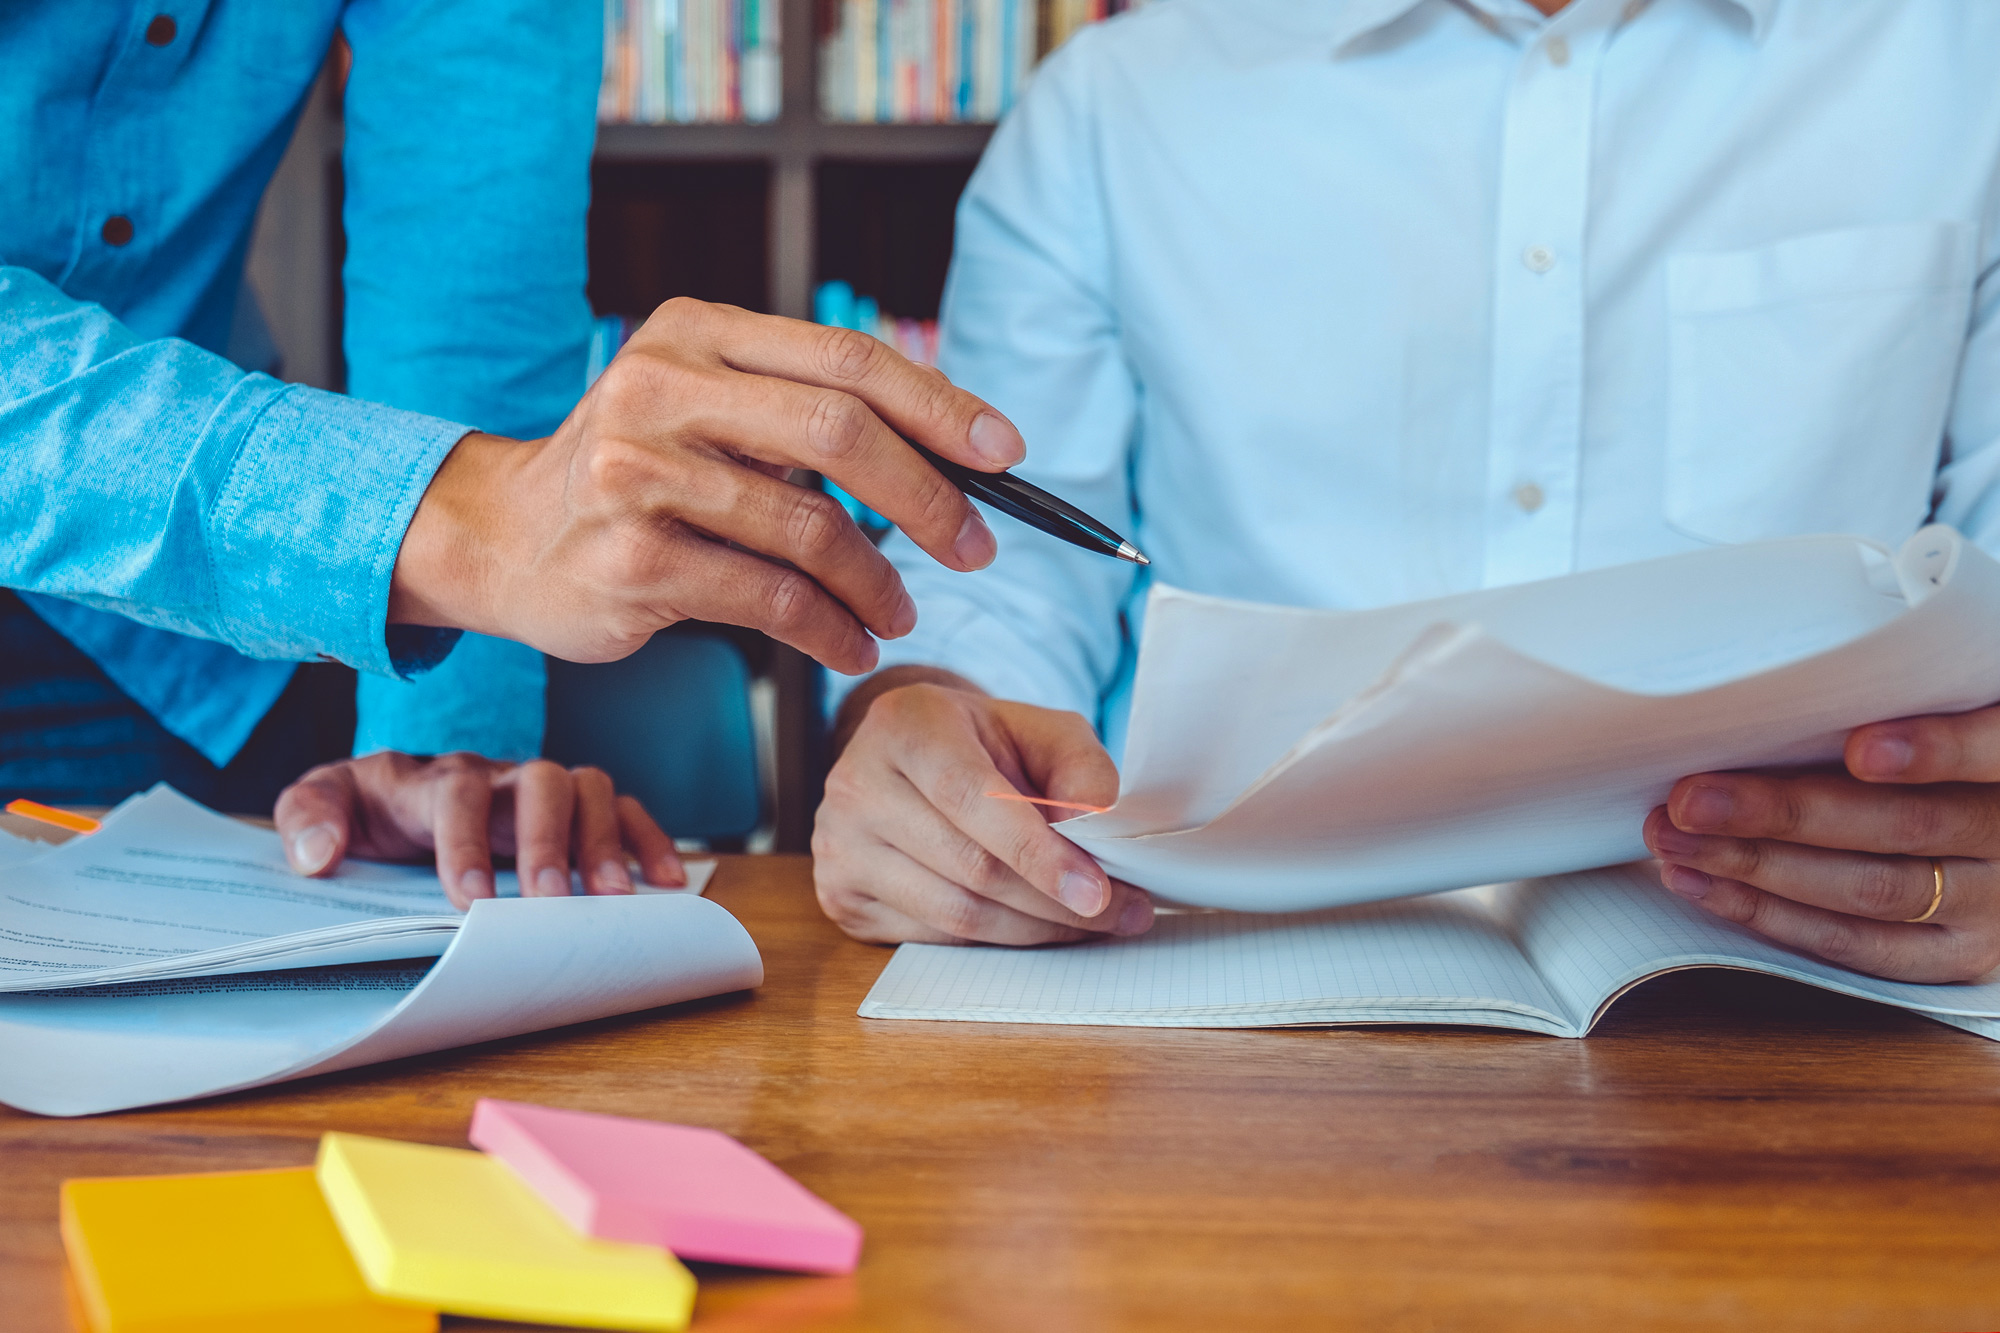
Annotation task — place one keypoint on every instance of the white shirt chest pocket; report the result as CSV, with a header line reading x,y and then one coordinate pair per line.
x,y
1810,381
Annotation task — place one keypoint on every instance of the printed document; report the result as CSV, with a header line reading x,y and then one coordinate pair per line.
x,y
1285,760
172,955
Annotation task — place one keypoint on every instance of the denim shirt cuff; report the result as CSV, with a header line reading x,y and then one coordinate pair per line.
x,y
305,532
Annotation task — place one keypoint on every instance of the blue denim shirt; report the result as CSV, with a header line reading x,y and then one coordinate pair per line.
x,y
204,527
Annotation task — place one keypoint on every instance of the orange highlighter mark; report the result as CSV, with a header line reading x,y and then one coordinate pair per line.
x,y
48,814
1043,800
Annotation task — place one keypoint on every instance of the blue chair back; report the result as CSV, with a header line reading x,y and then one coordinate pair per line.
x,y
671,725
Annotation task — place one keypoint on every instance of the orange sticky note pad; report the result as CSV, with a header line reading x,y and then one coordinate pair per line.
x,y
230,1252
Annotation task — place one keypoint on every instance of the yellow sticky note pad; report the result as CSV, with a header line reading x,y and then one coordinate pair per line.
x,y
456,1230
228,1252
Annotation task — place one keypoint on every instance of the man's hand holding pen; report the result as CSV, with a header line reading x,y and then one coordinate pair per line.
x,y
662,497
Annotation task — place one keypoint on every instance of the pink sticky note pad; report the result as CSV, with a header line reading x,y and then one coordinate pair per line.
x,y
696,1192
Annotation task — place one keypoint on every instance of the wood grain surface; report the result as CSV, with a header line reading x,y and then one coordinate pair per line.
x,y
1726,1152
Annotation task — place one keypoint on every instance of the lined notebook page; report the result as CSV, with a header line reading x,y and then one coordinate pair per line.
x,y
1593,933
1442,959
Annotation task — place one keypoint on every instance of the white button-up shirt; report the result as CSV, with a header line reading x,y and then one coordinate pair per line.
x,y
1346,302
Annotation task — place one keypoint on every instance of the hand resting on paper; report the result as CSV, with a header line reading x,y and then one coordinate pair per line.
x,y
462,809
908,846
1838,863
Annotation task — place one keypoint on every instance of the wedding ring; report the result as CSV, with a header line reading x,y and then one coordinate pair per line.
x,y
1937,893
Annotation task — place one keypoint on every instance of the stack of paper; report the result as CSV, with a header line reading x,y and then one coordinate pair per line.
x,y
1284,759
173,955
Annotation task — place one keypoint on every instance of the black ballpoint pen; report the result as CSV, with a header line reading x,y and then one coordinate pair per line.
x,y
1034,506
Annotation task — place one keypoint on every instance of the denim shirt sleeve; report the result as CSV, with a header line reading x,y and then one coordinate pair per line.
x,y
156,480
469,128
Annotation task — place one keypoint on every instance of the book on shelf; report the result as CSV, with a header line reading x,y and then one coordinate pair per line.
x,y
881,61
690,61
932,61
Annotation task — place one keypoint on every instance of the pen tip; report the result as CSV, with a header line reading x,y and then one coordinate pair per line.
x,y
1127,551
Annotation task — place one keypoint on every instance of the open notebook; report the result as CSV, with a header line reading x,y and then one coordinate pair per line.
x,y
1546,956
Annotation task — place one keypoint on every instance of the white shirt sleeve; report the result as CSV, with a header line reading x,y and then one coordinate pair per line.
x,y
1028,325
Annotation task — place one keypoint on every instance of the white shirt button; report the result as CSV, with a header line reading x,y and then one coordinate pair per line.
x,y
1529,497
1558,49
1538,258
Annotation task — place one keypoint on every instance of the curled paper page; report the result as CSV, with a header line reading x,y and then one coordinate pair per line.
x,y
517,965
1284,759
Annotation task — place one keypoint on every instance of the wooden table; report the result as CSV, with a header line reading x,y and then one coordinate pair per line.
x,y
1726,1152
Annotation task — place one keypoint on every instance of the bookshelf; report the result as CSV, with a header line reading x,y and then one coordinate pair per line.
x,y
753,214
794,150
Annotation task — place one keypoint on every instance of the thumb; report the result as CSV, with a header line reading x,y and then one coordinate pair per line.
x,y
315,817
1961,747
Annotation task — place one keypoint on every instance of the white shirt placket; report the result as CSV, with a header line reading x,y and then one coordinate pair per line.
x,y
1536,442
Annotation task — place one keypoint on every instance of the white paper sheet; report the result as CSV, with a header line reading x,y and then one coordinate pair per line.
x,y
167,888
1285,760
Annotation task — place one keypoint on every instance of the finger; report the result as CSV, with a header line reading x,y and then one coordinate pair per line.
x,y
836,433
659,863
806,528
1058,755
599,851
1835,810
915,829
918,402
1960,748
460,789
314,816
945,912
1882,888
1922,953
544,805
954,779
734,588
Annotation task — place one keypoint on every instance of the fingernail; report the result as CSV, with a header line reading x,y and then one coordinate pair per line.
x,y
975,547
475,884
1081,893
613,877
313,848
1690,884
996,441
1667,838
1706,807
1886,757
905,618
551,882
1136,919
